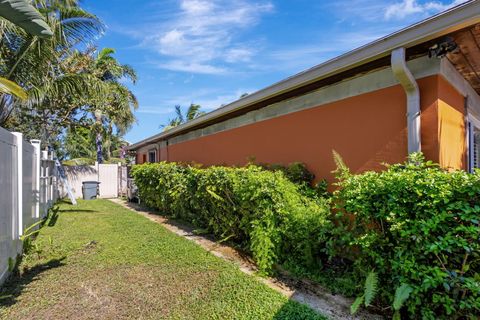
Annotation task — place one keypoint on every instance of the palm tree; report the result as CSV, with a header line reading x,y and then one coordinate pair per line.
x,y
24,15
37,64
193,112
65,87
115,108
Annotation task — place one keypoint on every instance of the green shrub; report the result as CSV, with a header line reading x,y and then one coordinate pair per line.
x,y
298,173
261,211
417,226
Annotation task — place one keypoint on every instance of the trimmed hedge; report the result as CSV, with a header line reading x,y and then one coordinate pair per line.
x,y
415,225
261,211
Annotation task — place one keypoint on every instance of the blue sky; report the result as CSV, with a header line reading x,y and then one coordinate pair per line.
x,y
211,52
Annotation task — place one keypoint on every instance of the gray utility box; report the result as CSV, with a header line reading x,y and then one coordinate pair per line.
x,y
90,189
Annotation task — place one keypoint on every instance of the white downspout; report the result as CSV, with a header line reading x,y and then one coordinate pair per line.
x,y
407,80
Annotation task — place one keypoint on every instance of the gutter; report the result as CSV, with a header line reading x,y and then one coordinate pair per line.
x,y
451,20
409,84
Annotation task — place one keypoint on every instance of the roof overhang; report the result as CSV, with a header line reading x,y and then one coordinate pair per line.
x,y
457,18
466,58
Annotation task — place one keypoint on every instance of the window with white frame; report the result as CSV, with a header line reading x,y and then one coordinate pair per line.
x,y
473,143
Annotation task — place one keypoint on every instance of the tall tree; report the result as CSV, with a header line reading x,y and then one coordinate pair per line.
x,y
115,108
37,64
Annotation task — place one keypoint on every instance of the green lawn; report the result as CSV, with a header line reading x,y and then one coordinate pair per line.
x,y
99,260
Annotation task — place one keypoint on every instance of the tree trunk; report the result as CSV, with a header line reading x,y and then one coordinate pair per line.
x,y
98,118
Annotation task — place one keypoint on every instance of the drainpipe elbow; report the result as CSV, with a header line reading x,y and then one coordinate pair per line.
x,y
410,86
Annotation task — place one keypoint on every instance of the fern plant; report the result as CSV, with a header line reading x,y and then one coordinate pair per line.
x,y
369,293
401,295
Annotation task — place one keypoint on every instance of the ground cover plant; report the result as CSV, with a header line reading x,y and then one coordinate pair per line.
x,y
99,260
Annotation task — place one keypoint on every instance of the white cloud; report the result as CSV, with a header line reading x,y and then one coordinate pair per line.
x,y
299,58
207,98
194,67
406,8
155,110
203,35
238,55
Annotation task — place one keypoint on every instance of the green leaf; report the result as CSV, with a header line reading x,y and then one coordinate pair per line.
x,y
28,233
11,264
214,195
371,287
26,16
401,295
396,316
356,305
10,87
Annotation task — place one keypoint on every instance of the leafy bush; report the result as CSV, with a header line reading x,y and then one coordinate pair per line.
x,y
299,174
417,226
261,211
296,172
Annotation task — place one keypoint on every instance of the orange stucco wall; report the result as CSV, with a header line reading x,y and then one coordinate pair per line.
x,y
451,127
367,130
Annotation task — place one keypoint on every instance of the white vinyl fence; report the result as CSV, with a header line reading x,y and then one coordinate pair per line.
x,y
28,188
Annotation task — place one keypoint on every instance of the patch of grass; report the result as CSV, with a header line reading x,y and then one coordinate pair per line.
x,y
100,260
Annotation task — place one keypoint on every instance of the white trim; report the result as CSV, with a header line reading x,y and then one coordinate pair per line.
x,y
451,20
474,120
36,144
472,124
19,159
409,84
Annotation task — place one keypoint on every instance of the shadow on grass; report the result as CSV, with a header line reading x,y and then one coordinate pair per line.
x,y
15,285
53,216
64,201
77,210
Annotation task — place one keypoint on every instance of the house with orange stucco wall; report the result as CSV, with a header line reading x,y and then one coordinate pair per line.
x,y
414,90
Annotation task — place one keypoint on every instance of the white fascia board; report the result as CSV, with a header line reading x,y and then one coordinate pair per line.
x,y
454,19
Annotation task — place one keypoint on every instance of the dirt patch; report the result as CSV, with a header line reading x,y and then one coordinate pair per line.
x,y
300,290
119,292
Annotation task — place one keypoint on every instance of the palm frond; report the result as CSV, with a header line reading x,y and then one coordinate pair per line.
x,y
78,25
23,14
193,112
178,111
10,87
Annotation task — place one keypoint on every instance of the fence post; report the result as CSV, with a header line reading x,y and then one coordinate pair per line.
x,y
19,143
36,145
